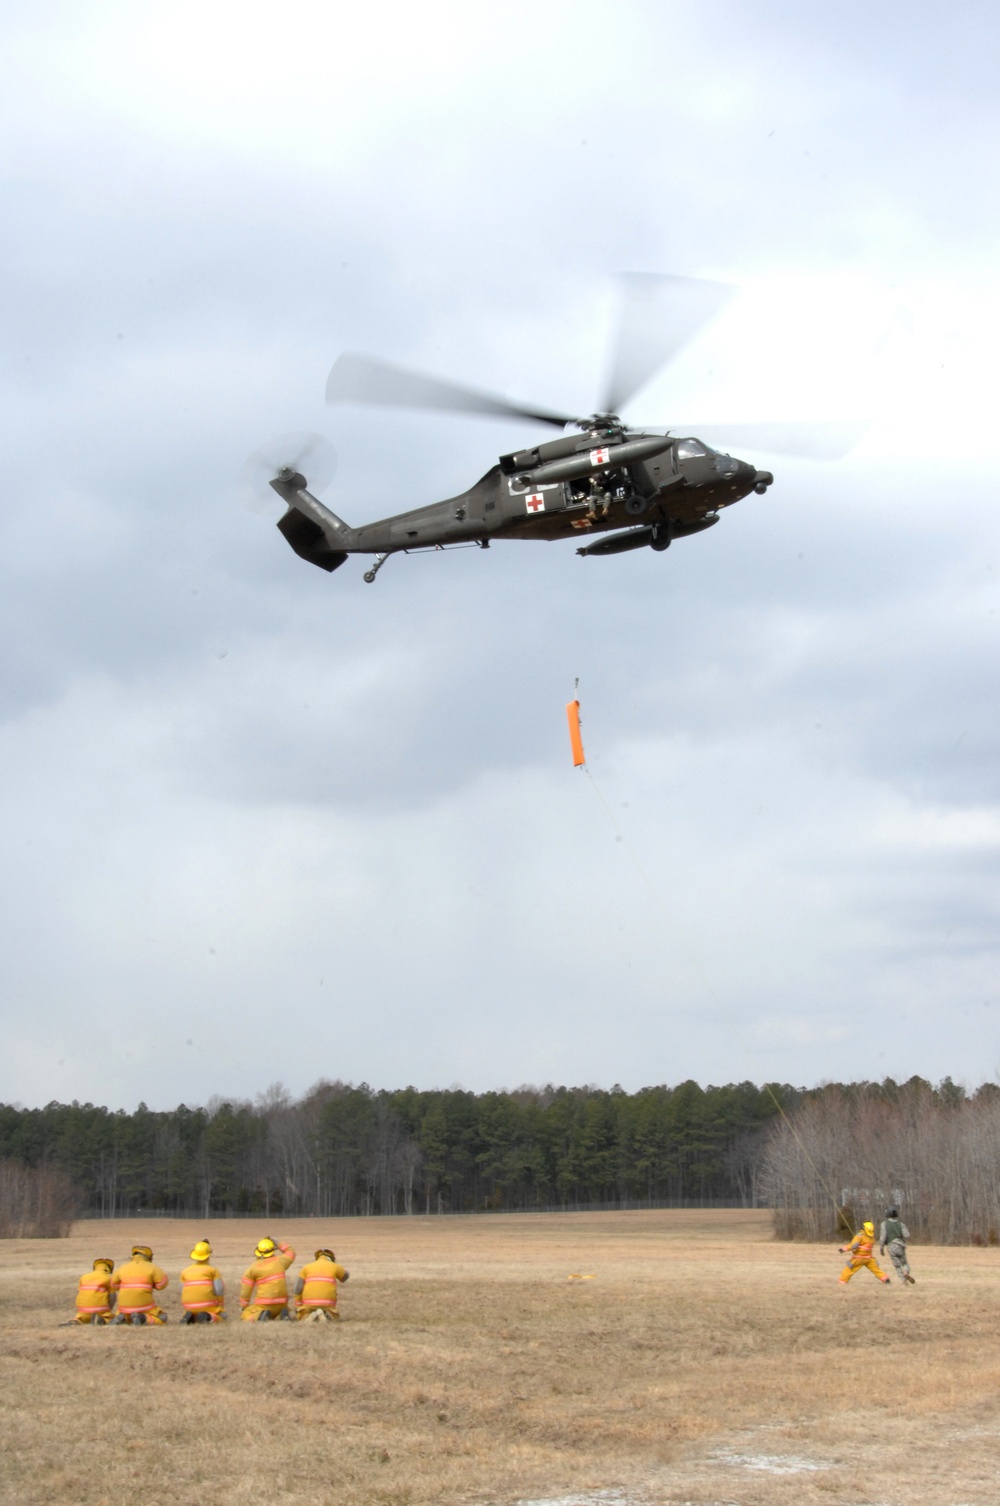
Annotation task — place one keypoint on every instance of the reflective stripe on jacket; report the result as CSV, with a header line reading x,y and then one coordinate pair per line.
x,y
94,1295
135,1283
197,1287
268,1276
320,1279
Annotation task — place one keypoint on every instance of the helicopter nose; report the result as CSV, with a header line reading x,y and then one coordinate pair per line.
x,y
762,480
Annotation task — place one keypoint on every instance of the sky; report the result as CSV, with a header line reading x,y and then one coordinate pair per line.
x,y
266,824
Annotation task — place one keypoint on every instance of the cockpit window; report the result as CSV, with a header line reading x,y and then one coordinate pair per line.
x,y
691,449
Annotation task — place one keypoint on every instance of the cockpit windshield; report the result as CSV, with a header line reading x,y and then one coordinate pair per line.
x,y
692,449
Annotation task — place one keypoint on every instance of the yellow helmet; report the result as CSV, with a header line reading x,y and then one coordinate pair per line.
x,y
265,1247
869,1228
328,1253
202,1250
104,1260
143,1250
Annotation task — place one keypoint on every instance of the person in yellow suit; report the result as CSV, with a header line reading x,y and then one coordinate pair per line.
x,y
135,1282
95,1301
203,1291
263,1293
316,1288
860,1252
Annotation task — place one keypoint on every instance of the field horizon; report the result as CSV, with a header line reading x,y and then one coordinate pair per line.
x,y
701,1362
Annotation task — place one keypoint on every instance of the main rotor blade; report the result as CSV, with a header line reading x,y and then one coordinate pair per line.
x,y
820,439
361,379
658,316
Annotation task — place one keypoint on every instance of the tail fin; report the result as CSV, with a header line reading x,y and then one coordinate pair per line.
x,y
313,531
309,541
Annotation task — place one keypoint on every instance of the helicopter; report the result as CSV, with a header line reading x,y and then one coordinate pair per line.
x,y
610,486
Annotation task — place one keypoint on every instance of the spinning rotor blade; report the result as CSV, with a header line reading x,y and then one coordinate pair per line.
x,y
822,439
360,379
310,454
659,315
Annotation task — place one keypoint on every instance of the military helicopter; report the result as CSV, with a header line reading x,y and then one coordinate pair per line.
x,y
612,487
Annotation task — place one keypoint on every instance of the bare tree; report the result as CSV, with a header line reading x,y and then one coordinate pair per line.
x,y
409,1160
744,1161
36,1202
847,1153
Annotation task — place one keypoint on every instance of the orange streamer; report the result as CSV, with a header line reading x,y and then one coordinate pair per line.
x,y
575,739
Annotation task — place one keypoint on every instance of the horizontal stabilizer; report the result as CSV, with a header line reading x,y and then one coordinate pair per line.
x,y
309,541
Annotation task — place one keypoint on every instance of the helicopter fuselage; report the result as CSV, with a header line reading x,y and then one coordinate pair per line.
x,y
658,485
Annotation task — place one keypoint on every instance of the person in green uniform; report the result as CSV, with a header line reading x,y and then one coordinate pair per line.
x,y
894,1233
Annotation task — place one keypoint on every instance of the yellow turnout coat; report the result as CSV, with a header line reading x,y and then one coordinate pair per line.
x,y
135,1282
93,1299
319,1287
263,1283
197,1289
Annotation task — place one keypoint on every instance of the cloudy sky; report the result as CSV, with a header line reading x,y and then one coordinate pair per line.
x,y
261,823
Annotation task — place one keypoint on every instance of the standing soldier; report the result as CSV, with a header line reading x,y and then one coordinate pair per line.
x,y
894,1233
316,1288
95,1300
263,1293
860,1252
202,1288
135,1283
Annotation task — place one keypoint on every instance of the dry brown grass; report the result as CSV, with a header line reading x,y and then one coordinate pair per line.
x,y
701,1361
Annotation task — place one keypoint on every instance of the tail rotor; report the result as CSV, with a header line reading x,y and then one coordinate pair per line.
x,y
304,454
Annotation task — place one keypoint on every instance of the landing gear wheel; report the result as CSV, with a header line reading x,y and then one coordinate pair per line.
x,y
662,537
635,505
369,576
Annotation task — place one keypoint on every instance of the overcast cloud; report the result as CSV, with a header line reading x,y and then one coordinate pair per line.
x,y
263,823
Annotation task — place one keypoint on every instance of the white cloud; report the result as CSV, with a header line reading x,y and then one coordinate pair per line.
x,y
242,795
944,831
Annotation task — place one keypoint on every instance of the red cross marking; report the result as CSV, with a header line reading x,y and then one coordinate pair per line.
x,y
599,457
535,503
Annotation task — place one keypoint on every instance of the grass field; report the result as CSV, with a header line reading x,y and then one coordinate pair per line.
x,y
704,1363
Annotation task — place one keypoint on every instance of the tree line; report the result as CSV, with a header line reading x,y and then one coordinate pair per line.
x,y
343,1149
847,1152
823,1159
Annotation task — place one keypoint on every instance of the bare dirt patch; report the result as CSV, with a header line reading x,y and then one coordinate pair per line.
x,y
702,1364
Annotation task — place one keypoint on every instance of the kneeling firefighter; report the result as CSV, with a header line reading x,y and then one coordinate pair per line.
x,y
202,1288
316,1288
860,1252
263,1293
135,1282
95,1300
